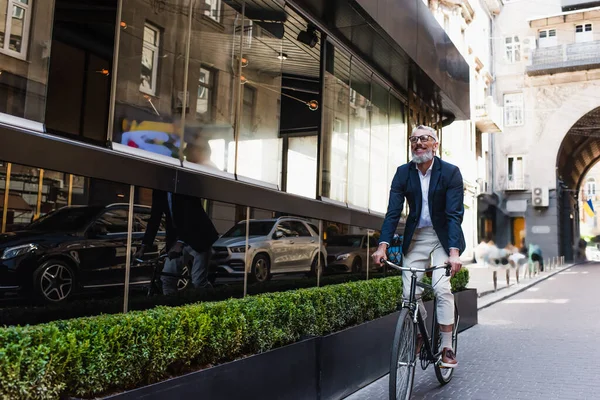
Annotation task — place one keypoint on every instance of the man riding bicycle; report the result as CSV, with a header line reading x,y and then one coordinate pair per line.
x,y
433,233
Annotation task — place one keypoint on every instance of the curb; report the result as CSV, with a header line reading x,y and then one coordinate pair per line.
x,y
525,287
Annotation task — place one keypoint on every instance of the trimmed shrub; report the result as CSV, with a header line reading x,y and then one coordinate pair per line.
x,y
97,355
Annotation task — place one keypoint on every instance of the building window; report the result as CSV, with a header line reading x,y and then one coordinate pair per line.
x,y
583,33
590,188
14,27
513,109
516,173
205,89
547,38
512,49
213,9
149,72
248,109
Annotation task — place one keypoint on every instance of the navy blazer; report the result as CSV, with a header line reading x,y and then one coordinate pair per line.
x,y
446,206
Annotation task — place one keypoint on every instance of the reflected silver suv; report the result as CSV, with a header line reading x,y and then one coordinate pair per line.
x,y
276,246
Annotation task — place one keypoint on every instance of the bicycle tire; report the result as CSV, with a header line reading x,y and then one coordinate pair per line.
x,y
444,375
403,347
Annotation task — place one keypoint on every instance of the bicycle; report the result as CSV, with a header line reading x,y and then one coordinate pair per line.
x,y
155,286
405,339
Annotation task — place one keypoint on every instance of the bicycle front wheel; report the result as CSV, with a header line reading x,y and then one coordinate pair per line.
x,y
402,366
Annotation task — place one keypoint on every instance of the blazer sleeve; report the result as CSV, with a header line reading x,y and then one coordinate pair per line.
x,y
394,210
455,209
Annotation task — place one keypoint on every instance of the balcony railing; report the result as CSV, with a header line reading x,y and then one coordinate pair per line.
x,y
489,116
515,183
571,56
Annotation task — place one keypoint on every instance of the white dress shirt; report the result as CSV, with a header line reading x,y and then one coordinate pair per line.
x,y
425,219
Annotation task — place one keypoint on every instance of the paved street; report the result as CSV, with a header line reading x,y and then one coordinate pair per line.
x,y
538,344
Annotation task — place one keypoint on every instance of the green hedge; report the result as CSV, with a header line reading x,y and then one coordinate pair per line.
x,y
109,353
90,306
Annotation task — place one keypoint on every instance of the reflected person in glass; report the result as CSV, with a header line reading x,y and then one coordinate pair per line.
x,y
190,235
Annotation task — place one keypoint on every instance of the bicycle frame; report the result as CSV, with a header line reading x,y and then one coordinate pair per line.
x,y
412,305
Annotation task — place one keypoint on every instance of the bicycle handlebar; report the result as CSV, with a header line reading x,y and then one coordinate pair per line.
x,y
446,266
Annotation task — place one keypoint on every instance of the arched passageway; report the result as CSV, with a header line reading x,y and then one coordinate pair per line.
x,y
578,153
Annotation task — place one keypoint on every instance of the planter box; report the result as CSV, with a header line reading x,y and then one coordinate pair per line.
x,y
467,308
325,368
288,372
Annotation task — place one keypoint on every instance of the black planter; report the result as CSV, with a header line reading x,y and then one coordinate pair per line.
x,y
353,358
288,372
325,368
467,309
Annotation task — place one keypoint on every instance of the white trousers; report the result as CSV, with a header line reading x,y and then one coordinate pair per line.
x,y
425,250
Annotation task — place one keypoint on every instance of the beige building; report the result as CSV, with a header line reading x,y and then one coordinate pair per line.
x,y
546,59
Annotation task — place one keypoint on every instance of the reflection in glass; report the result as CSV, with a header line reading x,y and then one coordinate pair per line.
x,y
259,145
359,137
335,126
24,68
302,166
214,82
149,94
379,164
398,143
58,254
149,59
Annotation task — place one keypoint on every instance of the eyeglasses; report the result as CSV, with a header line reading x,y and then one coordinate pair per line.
x,y
422,138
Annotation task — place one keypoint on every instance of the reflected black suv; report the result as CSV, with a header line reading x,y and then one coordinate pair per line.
x,y
73,249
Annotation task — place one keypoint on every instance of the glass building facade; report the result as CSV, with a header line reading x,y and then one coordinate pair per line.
x,y
259,109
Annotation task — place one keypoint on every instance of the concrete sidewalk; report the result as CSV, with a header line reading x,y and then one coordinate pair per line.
x,y
481,278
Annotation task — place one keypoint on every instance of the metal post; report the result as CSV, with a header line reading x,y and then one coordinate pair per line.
x,y
246,263
320,135
6,193
115,68
319,266
369,233
39,194
240,92
128,256
186,66
70,198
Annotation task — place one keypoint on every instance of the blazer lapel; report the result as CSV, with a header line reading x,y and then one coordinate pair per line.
x,y
436,172
415,184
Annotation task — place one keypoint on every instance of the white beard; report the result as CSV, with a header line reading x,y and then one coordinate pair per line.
x,y
423,158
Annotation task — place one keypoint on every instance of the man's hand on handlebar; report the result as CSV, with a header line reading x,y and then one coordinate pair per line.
x,y
454,261
140,253
380,254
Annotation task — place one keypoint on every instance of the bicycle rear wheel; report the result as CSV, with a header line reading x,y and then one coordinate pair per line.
x,y
444,375
402,366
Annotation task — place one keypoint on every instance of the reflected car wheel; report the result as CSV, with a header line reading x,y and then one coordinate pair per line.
x,y
54,281
261,268
357,265
183,283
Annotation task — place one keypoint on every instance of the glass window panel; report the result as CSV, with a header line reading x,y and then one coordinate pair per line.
x,y
214,83
150,96
259,146
302,166
24,70
58,209
336,119
359,137
379,180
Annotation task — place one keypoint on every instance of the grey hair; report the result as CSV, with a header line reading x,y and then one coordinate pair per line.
x,y
429,129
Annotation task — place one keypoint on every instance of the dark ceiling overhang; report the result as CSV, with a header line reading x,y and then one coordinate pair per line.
x,y
404,43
